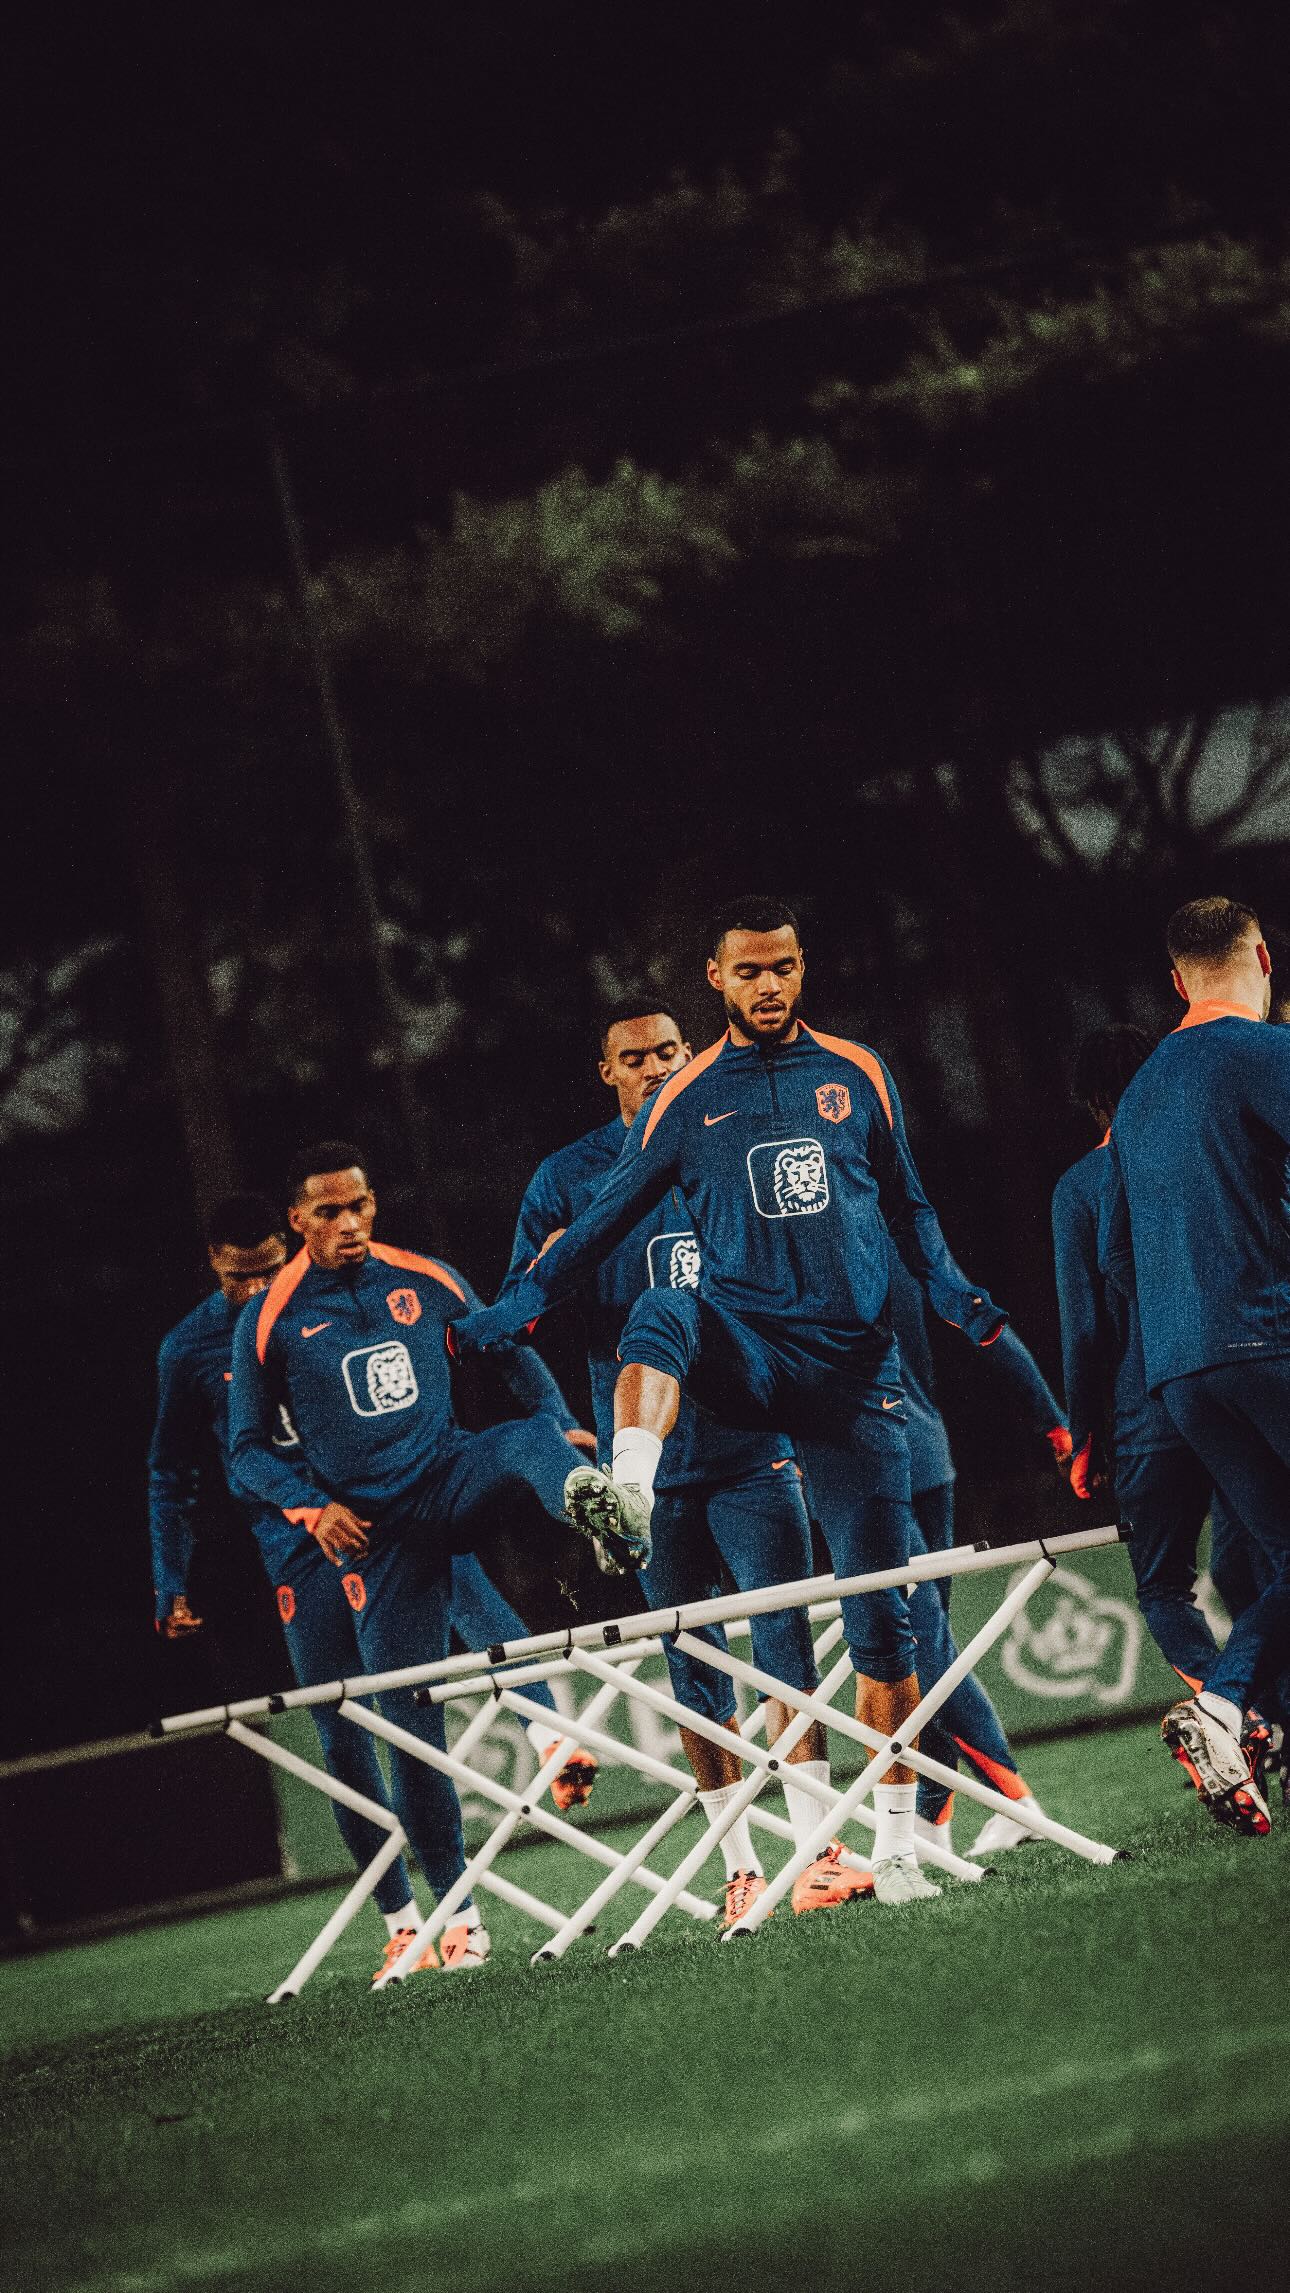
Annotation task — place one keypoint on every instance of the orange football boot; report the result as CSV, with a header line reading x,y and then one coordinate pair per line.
x,y
828,1881
741,1893
397,1945
465,1946
573,1785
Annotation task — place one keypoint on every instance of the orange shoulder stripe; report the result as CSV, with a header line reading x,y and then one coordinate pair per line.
x,y
862,1059
412,1264
672,1089
279,1293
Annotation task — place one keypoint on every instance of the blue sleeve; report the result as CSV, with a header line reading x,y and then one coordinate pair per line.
x,y
1020,1371
641,1177
1086,1330
542,1210
916,1231
527,1375
173,1460
1114,1243
258,1468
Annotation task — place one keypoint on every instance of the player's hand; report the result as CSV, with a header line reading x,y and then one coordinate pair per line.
x,y
1059,1441
181,1621
340,1532
581,1440
1086,1470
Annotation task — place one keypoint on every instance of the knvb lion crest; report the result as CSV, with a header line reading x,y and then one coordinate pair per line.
x,y
379,1379
834,1102
789,1181
405,1306
673,1261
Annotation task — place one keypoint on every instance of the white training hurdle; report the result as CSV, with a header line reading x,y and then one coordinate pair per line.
x,y
611,1654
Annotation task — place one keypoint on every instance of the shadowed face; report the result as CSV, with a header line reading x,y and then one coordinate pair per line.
x,y
242,1274
333,1214
640,1054
758,976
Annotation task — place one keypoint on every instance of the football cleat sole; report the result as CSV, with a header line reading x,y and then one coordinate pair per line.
x,y
1218,1768
612,1515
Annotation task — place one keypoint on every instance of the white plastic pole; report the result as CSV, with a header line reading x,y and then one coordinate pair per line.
x,y
963,1780
959,1560
893,1750
588,1912
335,1927
641,1929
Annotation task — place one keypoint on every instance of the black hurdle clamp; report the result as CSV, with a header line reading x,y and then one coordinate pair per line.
x,y
982,1545
497,1653
421,1695
277,1704
895,1745
612,1636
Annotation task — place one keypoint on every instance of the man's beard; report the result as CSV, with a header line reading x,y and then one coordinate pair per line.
x,y
759,1034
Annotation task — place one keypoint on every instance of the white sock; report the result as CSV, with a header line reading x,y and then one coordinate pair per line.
x,y
894,1806
636,1456
937,1834
737,1850
409,1916
468,1918
1227,1714
804,1813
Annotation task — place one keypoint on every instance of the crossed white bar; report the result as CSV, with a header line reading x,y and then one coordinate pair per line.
x,y
611,1654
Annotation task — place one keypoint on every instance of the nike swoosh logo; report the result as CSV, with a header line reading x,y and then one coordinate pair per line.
x,y
311,1329
709,1120
891,1405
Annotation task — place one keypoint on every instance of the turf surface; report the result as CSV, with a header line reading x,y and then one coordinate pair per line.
x,y
1065,2076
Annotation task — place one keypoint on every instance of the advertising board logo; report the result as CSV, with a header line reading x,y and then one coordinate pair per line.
x,y
1070,1640
674,1262
380,1379
789,1179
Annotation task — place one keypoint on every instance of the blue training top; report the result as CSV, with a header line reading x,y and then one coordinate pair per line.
x,y
1195,1215
358,1358
793,1163
660,1252
1102,1364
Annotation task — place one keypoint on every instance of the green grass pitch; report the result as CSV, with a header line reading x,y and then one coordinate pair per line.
x,y
1066,2077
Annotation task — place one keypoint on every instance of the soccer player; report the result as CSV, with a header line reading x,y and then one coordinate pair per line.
x,y
246,1246
1162,1490
345,1354
720,1494
788,1148
1192,1220
968,1722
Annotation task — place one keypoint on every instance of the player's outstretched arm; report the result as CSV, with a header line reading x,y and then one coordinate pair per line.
x,y
641,1177
176,1445
1013,1363
916,1231
533,1387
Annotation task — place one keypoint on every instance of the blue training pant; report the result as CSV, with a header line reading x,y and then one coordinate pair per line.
x,y
759,1527
848,1431
967,1722
322,1611
1163,1497
1237,1419
515,1471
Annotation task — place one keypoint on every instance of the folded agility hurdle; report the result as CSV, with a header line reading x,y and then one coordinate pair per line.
x,y
611,1654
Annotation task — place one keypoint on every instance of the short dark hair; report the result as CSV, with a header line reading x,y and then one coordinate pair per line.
x,y
1208,931
242,1220
1106,1063
753,912
327,1154
642,1006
